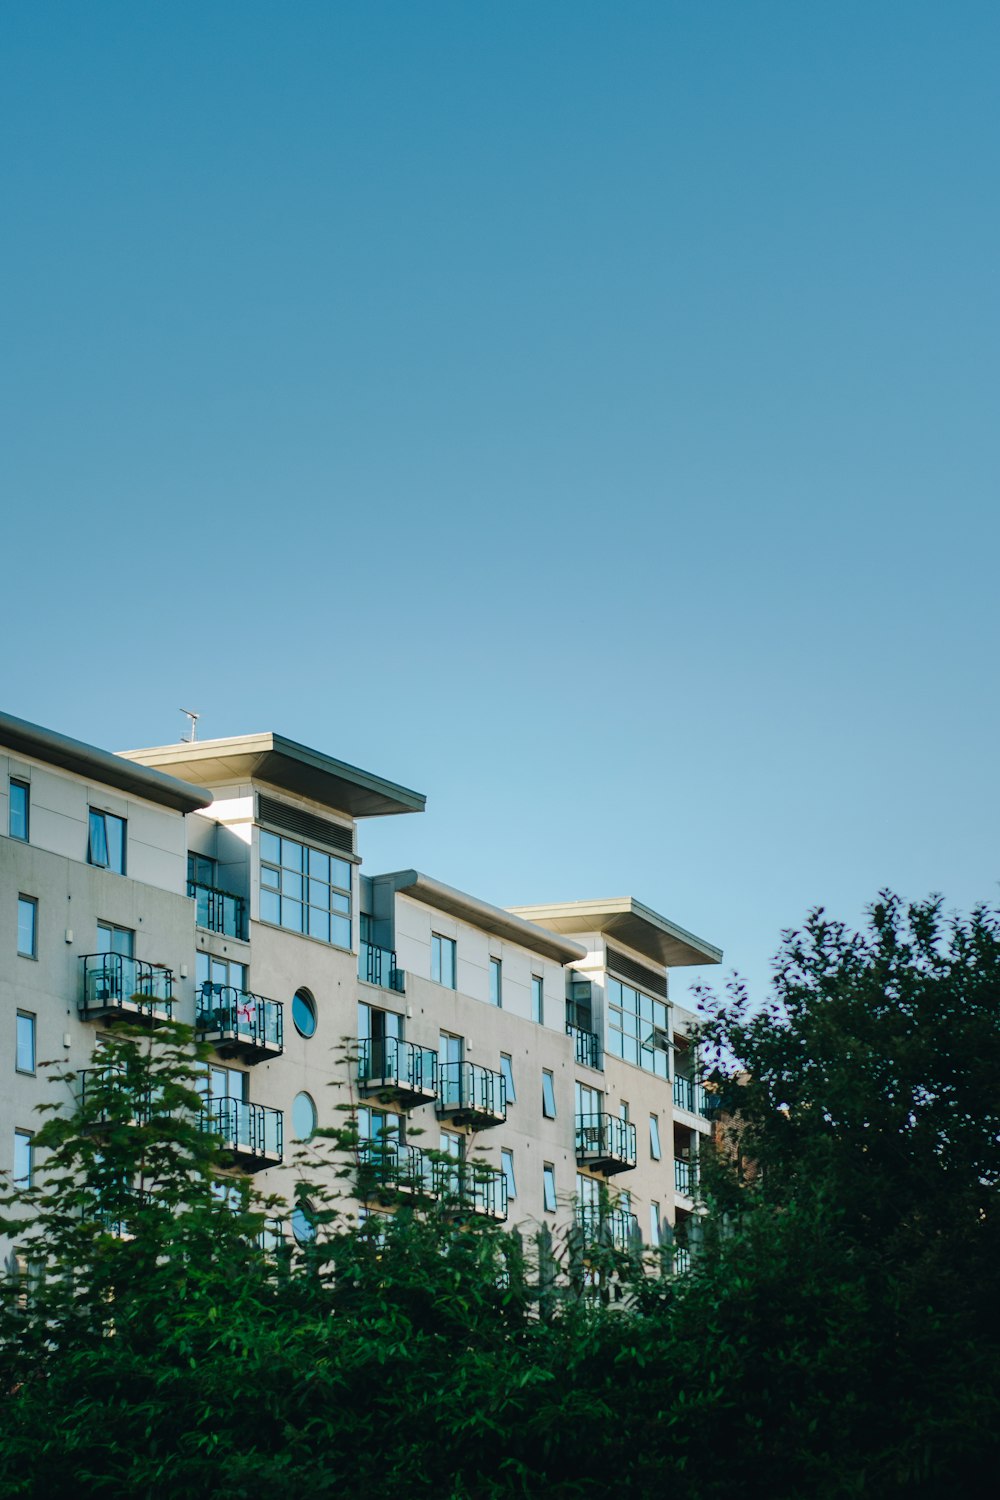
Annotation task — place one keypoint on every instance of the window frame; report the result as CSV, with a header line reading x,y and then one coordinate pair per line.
x,y
438,951
25,787
549,1181
507,1168
538,999
32,1019
655,1146
507,1072
277,880
28,1137
98,816
548,1094
496,982
30,903
655,1237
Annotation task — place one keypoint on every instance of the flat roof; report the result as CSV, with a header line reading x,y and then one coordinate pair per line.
x,y
495,919
99,765
632,923
285,764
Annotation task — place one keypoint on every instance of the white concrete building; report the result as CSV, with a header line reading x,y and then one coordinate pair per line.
x,y
221,880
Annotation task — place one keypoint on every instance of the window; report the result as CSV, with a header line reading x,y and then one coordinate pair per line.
x,y
537,999
107,842
17,825
549,1187
548,1095
304,890
654,1224
588,1192
24,1158
304,1013
654,1137
201,869
638,1028
496,983
507,1069
507,1163
589,1102
25,1042
226,1083
27,926
120,940
443,960
379,1126
303,1117
303,1222
623,1112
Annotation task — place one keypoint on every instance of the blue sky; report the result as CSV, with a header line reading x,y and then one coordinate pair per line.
x,y
583,413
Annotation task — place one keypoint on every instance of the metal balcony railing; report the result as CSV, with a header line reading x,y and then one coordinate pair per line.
x,y
586,1046
238,1021
685,1176
471,1189
254,1133
398,1070
470,1094
219,911
689,1095
615,1228
605,1142
115,985
682,1259
378,966
105,1099
390,1165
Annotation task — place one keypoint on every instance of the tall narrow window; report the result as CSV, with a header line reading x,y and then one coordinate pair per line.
x,y
654,1137
549,1187
654,1224
112,939
537,999
507,1069
548,1095
496,983
25,1042
507,1163
23,1158
17,825
443,960
27,926
107,842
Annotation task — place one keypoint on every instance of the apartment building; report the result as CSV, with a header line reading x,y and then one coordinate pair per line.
x,y
525,1062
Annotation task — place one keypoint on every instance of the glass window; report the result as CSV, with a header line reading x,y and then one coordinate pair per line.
x,y
303,1227
638,1028
496,983
25,1042
112,939
507,1163
23,1158
654,1137
19,804
443,960
303,1117
549,1187
305,890
304,1013
588,1191
507,1069
537,999
654,1224
107,842
548,1095
27,926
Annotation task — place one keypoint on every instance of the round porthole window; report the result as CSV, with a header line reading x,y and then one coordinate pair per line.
x,y
303,1117
303,1227
304,1012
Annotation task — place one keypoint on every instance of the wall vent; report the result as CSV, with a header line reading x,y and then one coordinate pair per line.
x,y
304,825
637,974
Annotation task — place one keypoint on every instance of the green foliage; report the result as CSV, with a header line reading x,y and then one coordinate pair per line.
x,y
838,1335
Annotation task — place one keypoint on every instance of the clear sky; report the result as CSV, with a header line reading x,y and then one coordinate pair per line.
x,y
585,413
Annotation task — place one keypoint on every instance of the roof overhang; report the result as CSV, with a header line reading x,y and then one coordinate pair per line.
x,y
494,919
284,764
100,765
635,925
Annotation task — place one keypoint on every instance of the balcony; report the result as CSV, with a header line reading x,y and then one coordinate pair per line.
x,y
219,911
252,1133
239,1024
378,966
398,1072
469,1094
689,1095
605,1143
615,1228
125,988
389,1169
270,1238
682,1260
467,1188
105,1100
586,1046
685,1176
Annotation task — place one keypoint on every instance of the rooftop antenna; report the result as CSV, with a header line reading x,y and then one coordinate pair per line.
x,y
189,739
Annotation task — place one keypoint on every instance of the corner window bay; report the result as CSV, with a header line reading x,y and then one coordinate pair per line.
x,y
305,889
